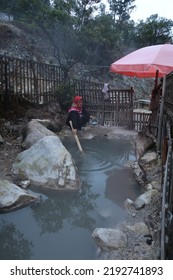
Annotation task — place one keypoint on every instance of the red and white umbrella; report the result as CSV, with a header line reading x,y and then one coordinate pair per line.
x,y
146,62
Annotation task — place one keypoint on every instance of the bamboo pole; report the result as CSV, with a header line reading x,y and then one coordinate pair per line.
x,y
76,138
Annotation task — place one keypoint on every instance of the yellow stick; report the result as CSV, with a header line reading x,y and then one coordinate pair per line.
x,y
76,138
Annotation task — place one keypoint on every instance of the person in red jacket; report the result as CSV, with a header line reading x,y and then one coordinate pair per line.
x,y
77,115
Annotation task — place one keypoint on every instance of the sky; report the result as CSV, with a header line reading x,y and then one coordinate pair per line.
x,y
145,8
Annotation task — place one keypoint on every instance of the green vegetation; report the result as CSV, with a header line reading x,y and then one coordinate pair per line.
x,y
84,32
66,92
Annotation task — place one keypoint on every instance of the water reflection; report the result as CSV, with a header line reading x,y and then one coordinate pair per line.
x,y
13,245
120,185
76,207
60,226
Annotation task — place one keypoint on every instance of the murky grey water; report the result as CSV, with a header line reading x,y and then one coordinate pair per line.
x,y
60,226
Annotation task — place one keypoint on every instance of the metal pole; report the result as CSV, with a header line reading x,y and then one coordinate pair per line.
x,y
161,116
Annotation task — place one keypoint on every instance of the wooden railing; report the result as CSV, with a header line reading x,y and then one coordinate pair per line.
x,y
115,110
38,83
141,119
32,80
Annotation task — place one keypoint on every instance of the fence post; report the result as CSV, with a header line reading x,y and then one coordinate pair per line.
x,y
35,79
103,109
6,98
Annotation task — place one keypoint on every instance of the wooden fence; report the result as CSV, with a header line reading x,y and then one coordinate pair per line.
x,y
114,110
141,119
167,196
166,152
39,83
35,81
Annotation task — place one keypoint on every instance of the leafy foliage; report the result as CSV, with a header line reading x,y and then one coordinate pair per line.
x,y
66,92
121,9
84,32
156,30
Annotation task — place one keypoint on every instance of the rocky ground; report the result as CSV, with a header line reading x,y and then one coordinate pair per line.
x,y
143,224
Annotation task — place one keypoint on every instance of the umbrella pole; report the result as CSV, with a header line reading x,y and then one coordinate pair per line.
x,y
161,116
156,79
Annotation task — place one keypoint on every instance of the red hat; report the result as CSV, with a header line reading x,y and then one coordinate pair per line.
x,y
77,98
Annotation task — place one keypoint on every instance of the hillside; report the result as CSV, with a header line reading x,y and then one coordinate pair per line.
x,y
24,42
30,42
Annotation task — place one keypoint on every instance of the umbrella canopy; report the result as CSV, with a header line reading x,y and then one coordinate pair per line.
x,y
145,62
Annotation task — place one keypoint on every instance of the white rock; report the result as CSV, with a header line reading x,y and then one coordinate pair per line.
x,y
149,157
109,239
47,163
13,197
1,140
24,184
148,187
145,198
34,132
128,203
139,228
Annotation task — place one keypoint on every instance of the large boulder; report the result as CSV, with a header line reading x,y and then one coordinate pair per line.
x,y
47,163
13,197
34,131
144,141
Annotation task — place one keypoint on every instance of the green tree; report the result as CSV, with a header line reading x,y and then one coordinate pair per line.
x,y
83,11
58,21
155,30
121,9
32,9
100,37
7,6
25,8
76,33
63,27
60,31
